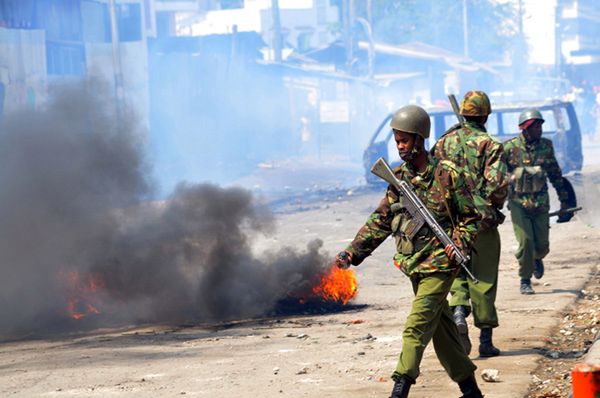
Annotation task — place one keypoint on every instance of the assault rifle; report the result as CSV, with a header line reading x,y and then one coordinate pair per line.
x,y
564,211
419,212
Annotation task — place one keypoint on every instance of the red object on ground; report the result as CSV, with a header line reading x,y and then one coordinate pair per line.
x,y
585,381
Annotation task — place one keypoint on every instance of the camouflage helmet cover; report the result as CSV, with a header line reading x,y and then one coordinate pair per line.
x,y
529,114
412,119
475,103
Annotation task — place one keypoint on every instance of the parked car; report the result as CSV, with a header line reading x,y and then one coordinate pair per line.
x,y
561,126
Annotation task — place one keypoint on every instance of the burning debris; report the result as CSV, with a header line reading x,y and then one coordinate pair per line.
x,y
328,291
80,239
336,285
80,293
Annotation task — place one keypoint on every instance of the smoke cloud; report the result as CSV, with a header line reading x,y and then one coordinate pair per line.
x,y
75,206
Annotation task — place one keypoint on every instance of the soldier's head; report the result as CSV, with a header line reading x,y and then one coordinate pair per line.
x,y
530,123
475,106
411,126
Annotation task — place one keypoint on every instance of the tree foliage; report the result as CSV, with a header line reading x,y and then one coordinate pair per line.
x,y
491,24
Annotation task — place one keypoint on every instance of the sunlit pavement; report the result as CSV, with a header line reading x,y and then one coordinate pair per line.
x,y
304,179
591,150
587,182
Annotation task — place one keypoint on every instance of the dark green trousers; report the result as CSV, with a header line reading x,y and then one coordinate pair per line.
x,y
481,297
532,230
430,319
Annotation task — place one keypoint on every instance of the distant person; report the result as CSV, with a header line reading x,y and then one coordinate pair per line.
x,y
482,156
531,161
303,139
423,258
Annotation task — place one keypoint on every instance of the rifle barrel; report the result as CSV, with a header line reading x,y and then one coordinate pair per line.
x,y
570,210
456,109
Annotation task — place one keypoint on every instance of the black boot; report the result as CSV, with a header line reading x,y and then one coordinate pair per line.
x,y
486,347
460,313
538,268
526,286
402,385
469,388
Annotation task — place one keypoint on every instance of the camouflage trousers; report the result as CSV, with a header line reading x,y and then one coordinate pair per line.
x,y
430,319
481,297
531,230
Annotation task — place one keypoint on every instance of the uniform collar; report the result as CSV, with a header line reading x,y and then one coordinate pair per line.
x,y
425,177
477,126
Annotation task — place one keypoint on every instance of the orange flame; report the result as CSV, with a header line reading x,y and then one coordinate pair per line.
x,y
81,293
337,285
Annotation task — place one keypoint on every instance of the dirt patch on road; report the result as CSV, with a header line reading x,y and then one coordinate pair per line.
x,y
569,342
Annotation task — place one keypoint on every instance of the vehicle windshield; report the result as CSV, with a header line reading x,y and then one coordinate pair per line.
x,y
510,121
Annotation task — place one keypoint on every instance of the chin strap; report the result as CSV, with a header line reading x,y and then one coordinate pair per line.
x,y
417,147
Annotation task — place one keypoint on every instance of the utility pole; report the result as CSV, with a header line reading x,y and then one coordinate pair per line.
x,y
521,54
351,26
348,6
465,30
116,56
277,45
557,48
367,28
521,18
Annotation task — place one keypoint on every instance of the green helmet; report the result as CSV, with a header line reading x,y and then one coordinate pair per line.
x,y
475,103
412,119
530,114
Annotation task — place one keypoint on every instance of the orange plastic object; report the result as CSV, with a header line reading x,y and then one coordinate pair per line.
x,y
586,381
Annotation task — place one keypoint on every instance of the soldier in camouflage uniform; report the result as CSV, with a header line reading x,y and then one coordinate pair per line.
x,y
530,160
423,259
473,149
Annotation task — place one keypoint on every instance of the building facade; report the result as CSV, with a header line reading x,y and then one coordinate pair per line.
x,y
302,24
44,41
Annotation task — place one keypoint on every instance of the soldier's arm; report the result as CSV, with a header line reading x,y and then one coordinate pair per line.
x,y
496,174
374,231
508,153
511,154
470,217
554,174
467,212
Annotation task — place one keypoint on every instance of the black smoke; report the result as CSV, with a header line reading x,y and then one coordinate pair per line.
x,y
75,198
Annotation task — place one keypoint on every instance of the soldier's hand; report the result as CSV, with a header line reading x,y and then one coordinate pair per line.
x,y
564,216
451,253
342,260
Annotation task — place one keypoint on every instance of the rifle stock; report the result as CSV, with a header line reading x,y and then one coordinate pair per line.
x,y
417,209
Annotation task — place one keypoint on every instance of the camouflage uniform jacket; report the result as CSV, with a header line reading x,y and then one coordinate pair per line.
x,y
519,153
482,157
441,188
